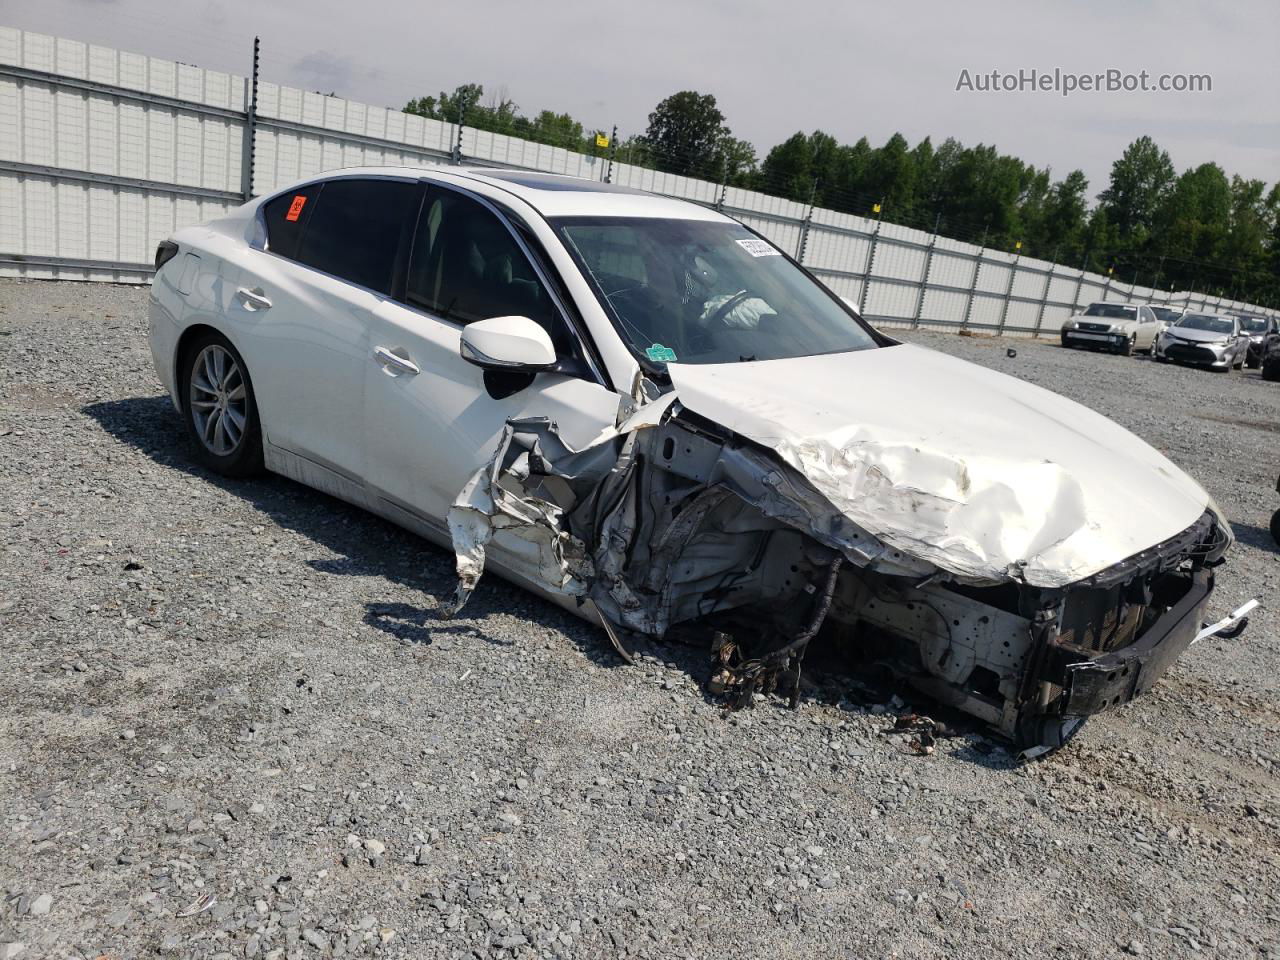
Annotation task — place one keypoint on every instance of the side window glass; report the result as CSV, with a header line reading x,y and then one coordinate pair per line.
x,y
286,217
355,230
466,266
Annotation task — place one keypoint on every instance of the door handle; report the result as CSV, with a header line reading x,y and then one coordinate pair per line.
x,y
394,363
253,299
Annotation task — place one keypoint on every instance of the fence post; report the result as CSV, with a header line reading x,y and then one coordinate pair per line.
x,y
456,156
250,127
973,287
804,226
866,272
924,280
1008,290
724,183
1084,268
1044,294
613,152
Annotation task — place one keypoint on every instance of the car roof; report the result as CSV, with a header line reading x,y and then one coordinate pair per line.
x,y
1133,303
551,194
558,195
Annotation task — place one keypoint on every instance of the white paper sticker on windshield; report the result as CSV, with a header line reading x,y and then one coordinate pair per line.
x,y
758,248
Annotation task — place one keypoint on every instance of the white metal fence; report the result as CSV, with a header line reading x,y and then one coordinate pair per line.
x,y
104,153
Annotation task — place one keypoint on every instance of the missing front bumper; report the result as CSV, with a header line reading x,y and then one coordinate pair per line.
x,y
1091,686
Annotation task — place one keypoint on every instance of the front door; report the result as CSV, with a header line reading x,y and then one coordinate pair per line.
x,y
431,418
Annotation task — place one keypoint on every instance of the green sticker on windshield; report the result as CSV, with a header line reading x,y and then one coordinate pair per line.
x,y
660,354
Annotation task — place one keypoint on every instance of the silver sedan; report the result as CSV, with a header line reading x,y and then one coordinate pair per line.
x,y
1204,340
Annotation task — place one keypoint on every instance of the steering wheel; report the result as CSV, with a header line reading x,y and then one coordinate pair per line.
x,y
722,311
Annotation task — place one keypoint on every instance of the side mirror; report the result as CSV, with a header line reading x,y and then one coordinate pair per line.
x,y
507,343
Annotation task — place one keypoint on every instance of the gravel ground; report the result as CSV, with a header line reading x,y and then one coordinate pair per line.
x,y
236,695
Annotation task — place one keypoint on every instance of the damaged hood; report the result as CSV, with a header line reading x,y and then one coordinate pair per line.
x,y
981,474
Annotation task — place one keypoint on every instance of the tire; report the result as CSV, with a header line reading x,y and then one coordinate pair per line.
x,y
219,408
1275,527
1271,372
1127,349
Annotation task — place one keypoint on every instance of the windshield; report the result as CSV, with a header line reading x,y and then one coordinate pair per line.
x,y
704,291
1204,321
1253,324
1115,311
1165,314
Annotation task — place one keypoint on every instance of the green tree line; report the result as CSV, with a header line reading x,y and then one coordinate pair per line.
x,y
1200,229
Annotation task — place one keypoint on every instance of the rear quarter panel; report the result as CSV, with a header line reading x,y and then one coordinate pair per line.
x,y
187,292
164,312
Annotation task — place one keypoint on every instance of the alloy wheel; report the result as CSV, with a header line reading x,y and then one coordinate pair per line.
x,y
219,402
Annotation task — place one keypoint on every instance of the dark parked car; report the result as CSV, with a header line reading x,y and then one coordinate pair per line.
x,y
1262,332
1271,360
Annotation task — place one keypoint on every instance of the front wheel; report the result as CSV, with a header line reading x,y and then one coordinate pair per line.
x,y
1126,348
1271,371
1275,527
219,407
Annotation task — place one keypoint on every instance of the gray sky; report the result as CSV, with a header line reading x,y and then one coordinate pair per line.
x,y
850,69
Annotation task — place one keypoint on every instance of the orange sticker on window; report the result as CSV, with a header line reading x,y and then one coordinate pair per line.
x,y
295,208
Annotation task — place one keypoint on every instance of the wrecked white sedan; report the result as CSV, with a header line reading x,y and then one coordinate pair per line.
x,y
645,411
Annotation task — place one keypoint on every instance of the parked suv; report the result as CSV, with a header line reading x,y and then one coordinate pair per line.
x,y
1117,327
1262,332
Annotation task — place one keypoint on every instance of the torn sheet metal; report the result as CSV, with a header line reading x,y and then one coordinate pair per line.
x,y
981,474
627,544
496,499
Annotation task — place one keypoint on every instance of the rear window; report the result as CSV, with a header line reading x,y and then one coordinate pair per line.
x,y
354,231
286,217
1114,311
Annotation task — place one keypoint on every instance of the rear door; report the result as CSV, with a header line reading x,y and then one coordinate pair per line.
x,y
331,252
432,418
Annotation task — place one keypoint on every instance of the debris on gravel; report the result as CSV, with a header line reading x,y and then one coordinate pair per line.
x,y
234,726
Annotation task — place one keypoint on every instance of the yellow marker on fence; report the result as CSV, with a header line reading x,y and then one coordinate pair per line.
x,y
602,140
875,208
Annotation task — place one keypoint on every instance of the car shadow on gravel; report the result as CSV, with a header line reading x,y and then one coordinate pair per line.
x,y
364,545
420,625
1254,536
